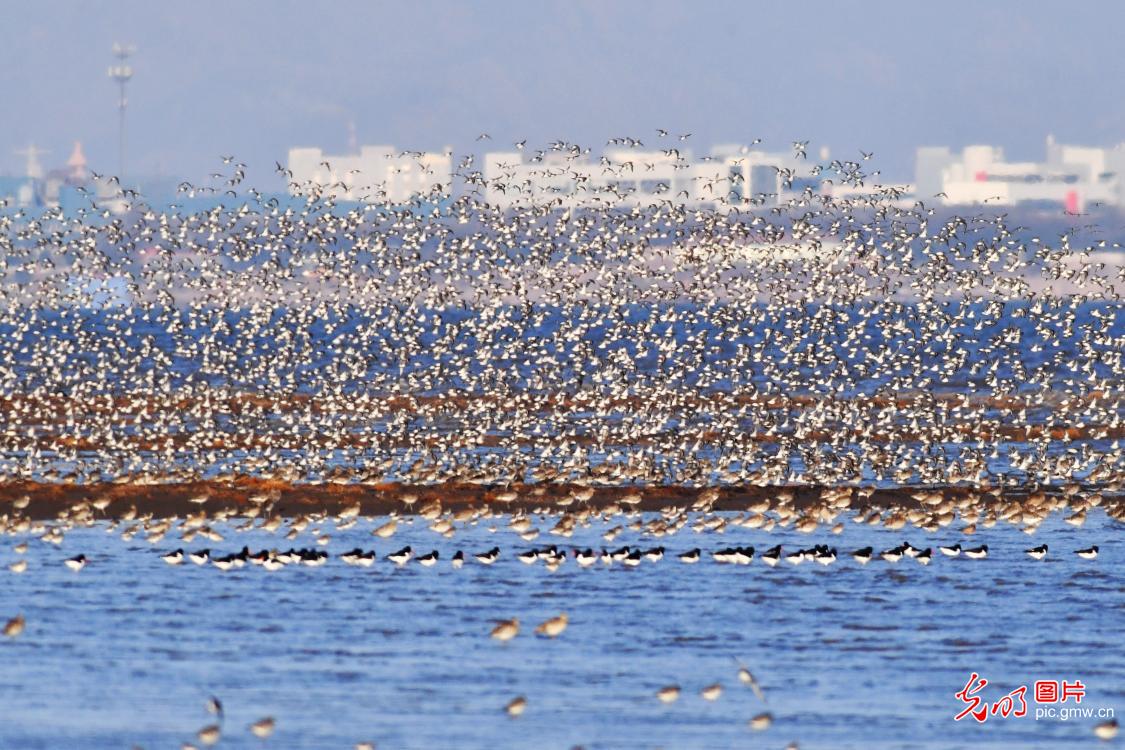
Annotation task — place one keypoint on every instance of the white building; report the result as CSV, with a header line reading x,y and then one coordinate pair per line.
x,y
1071,176
732,174
375,173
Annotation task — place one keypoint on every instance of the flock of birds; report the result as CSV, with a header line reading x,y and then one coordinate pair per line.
x,y
801,337
837,336
262,729
928,510
933,511
553,557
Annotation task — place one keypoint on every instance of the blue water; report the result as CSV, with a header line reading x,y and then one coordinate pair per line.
x,y
127,651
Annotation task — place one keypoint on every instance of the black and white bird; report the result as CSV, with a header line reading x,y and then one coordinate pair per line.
x,y
312,558
796,558
585,557
351,557
892,555
742,555
977,553
175,557
402,556
489,557
771,556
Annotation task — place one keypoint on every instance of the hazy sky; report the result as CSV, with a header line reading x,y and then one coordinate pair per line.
x,y
254,78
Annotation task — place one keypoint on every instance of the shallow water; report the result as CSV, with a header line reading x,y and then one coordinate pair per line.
x,y
128,650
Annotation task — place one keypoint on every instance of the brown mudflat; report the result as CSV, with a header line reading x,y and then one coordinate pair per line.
x,y
48,500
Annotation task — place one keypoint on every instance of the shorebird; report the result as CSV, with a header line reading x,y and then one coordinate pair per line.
x,y
585,558
209,735
489,557
402,556
690,557
173,558
771,556
14,626
553,627
263,728
825,556
747,678
516,706
892,555
1106,730
506,630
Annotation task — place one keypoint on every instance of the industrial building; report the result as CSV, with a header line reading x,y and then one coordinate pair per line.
x,y
1073,177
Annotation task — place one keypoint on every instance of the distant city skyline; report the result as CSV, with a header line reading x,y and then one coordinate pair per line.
x,y
255,79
